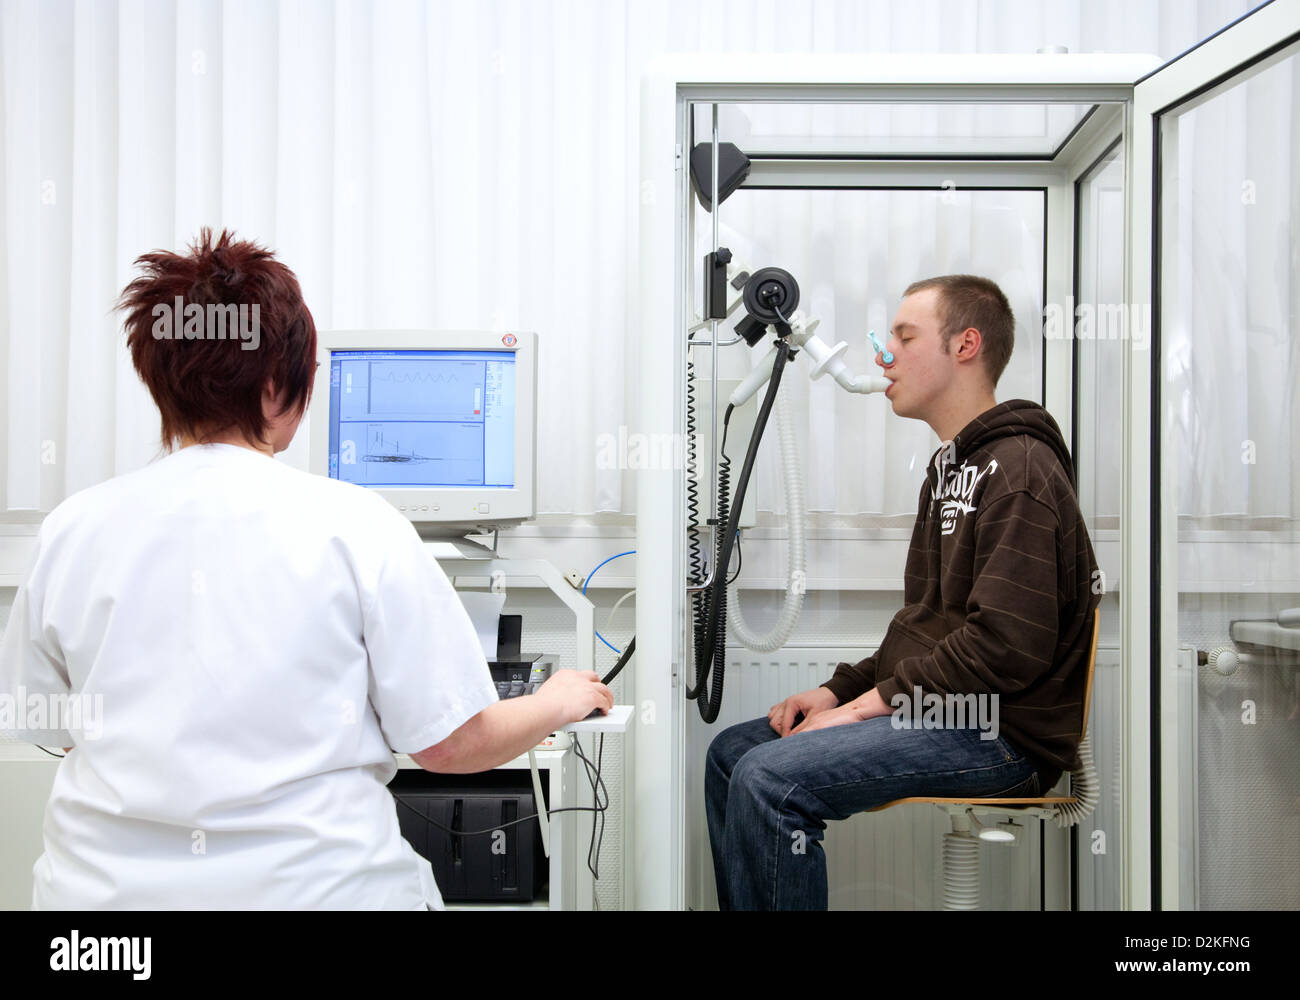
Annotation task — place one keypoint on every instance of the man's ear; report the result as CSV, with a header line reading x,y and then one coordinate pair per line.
x,y
969,343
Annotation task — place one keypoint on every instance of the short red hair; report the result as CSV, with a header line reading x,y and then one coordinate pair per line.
x,y
204,382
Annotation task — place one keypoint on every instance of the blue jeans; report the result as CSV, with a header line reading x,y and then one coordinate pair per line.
x,y
767,799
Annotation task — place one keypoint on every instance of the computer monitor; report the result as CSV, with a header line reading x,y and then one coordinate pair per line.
x,y
442,424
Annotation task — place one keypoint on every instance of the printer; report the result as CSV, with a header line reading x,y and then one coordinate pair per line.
x,y
516,673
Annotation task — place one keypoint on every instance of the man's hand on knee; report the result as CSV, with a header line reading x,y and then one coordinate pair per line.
x,y
781,717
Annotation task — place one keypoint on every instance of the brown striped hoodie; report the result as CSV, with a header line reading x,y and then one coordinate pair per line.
x,y
1000,587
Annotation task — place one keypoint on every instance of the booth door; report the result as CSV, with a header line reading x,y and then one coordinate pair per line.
x,y
1216,137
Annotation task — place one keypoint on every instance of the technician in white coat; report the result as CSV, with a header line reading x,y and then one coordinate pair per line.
x,y
243,646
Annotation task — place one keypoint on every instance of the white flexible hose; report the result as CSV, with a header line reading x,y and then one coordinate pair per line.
x,y
961,871
617,604
1083,786
796,559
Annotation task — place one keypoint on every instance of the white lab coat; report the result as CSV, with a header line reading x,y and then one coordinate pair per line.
x,y
257,639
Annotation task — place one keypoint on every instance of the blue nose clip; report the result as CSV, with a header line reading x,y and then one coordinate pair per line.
x,y
885,356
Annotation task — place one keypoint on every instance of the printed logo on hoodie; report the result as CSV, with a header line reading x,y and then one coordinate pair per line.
x,y
956,497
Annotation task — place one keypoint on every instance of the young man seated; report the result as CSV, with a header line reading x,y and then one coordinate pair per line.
x,y
999,594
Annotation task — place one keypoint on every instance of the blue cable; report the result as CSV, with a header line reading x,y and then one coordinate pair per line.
x,y
629,552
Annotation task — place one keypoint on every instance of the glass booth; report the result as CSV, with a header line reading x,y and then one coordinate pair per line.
x,y
1140,219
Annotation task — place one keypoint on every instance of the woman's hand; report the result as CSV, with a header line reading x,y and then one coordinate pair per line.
x,y
576,693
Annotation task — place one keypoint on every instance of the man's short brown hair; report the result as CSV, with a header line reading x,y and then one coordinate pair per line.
x,y
206,385
967,300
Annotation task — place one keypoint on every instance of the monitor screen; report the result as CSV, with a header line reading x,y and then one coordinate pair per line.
x,y
422,419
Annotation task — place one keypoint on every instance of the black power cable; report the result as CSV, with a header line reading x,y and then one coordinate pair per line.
x,y
622,662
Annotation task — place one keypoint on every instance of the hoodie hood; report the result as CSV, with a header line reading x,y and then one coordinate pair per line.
x,y
1013,418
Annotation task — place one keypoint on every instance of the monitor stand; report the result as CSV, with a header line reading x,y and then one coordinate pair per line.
x,y
456,547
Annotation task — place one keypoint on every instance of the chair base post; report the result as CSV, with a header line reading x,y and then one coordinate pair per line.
x,y
961,865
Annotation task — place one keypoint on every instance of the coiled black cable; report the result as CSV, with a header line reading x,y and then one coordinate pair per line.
x,y
711,604
710,625
699,599
696,556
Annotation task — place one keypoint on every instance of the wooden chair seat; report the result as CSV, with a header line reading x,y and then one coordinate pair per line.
x,y
1050,800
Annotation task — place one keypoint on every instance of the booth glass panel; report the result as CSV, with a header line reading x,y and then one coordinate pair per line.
x,y
1229,304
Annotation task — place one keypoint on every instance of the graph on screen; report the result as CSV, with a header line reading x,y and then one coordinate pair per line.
x,y
422,418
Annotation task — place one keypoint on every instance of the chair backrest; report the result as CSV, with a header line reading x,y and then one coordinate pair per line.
x,y
1092,669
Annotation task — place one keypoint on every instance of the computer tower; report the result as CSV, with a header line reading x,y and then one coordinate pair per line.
x,y
506,864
